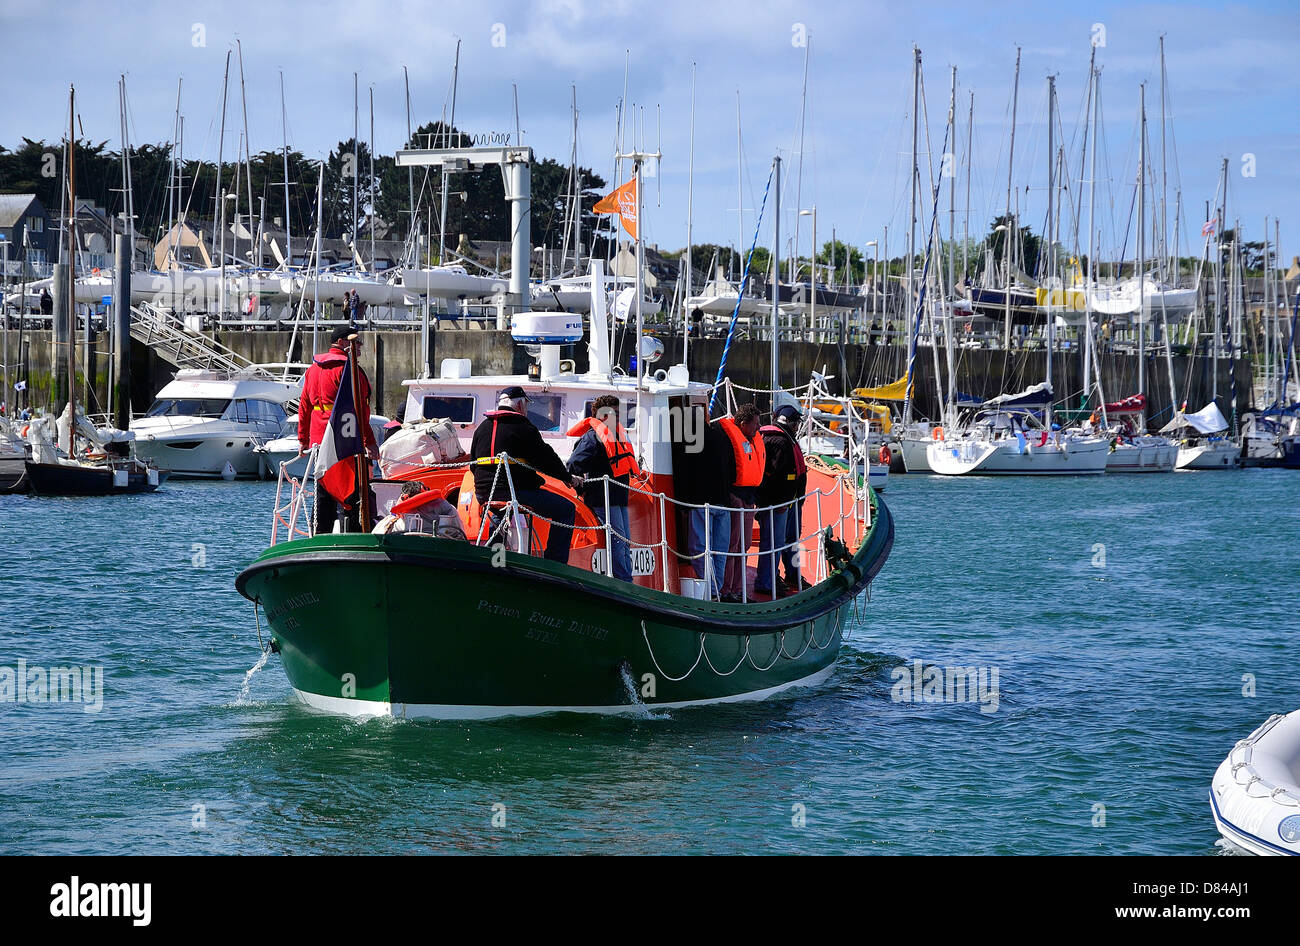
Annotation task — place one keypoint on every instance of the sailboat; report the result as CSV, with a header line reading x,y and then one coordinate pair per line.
x,y
1201,441
108,467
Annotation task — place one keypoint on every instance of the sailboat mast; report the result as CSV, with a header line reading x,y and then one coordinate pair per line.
x,y
356,159
1009,238
1164,168
965,227
371,214
740,205
952,249
288,215
248,155
1048,230
70,305
913,183
410,171
221,196
1141,241
690,214
1090,279
776,273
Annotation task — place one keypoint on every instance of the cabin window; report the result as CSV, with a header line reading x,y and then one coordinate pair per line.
x,y
188,407
457,408
627,413
266,411
35,225
238,412
544,411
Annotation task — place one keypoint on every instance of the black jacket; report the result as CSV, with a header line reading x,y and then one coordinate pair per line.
x,y
590,459
515,435
781,480
704,470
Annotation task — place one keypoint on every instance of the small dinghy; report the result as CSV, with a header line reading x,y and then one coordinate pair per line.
x,y
1255,794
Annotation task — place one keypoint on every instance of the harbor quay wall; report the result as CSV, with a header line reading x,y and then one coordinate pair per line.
x,y
389,357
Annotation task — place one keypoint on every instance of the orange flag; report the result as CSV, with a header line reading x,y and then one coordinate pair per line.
x,y
622,202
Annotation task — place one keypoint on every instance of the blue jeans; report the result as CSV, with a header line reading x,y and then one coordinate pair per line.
x,y
556,507
793,533
619,529
719,518
772,531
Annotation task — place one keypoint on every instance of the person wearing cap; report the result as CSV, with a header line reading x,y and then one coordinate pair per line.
x,y
603,450
320,388
508,430
785,479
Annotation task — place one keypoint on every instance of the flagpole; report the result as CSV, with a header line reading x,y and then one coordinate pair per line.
x,y
362,459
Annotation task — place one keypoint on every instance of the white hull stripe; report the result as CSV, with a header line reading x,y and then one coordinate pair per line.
x,y
369,708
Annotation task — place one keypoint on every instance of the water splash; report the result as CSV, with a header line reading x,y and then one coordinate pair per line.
x,y
248,677
632,691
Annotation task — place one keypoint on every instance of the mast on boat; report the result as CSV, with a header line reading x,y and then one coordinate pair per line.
x,y
1141,245
914,183
1009,239
70,304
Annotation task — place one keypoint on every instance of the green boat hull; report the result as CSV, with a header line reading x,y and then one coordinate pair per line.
x,y
411,625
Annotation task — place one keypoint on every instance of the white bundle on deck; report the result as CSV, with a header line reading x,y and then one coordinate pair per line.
x,y
419,445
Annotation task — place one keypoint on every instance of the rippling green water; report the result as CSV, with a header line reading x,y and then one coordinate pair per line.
x,y
1120,685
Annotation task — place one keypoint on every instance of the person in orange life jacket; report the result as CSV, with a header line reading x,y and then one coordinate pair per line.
x,y
603,450
508,430
320,387
747,447
785,479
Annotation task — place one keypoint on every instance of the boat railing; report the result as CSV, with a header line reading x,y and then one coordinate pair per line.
x,y
291,512
849,515
853,520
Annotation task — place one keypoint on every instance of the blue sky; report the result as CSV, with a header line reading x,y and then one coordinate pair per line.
x,y
1232,85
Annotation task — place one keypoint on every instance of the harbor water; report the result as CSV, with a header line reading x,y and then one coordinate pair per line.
x,y
1129,630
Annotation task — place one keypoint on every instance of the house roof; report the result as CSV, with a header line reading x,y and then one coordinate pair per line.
x,y
14,206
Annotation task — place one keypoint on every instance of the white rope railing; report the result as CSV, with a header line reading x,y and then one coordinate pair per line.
x,y
287,515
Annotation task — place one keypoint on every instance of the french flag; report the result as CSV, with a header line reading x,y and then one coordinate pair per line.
x,y
335,468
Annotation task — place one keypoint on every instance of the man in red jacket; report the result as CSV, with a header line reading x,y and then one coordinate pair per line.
x,y
320,387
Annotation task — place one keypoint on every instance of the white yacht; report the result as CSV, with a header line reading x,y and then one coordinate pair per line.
x,y
1009,438
210,423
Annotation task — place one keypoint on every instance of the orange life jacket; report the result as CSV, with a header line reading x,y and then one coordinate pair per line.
x,y
751,457
622,461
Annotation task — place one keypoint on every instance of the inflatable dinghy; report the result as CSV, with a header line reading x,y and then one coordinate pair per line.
x,y
1255,794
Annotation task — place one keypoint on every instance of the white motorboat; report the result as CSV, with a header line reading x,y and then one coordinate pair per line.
x,y
1255,794
210,423
285,448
